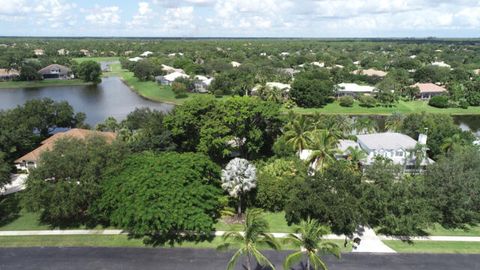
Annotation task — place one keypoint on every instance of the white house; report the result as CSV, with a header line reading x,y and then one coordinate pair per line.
x,y
370,72
428,90
135,59
146,54
394,146
235,64
170,78
271,85
169,69
353,89
441,64
284,54
39,52
202,83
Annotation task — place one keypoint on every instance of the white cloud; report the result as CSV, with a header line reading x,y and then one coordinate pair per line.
x,y
143,15
104,16
55,13
13,7
176,18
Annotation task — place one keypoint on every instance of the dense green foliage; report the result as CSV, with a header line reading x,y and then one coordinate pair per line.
x,y
439,102
454,188
68,180
90,71
165,197
4,170
312,88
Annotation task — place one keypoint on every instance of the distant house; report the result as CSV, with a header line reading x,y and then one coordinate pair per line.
x,y
8,74
135,59
55,71
128,52
169,69
370,72
175,54
31,159
170,78
63,52
289,71
357,63
39,52
235,64
284,54
353,89
85,52
428,90
146,54
202,83
271,85
441,64
477,71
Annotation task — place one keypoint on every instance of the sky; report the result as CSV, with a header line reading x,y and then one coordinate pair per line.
x,y
241,18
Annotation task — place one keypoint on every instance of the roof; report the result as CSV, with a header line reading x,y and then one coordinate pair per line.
x,y
429,88
204,79
76,133
441,64
174,75
355,88
386,141
170,69
147,53
371,72
135,59
48,69
343,145
8,72
235,64
477,71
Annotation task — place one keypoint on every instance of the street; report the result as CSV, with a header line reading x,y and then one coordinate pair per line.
x,y
208,259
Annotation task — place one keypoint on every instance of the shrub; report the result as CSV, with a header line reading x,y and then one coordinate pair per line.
x,y
463,104
439,102
346,101
367,101
179,89
218,93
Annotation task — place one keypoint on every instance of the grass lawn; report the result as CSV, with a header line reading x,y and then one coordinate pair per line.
x,y
434,247
109,241
401,107
96,59
277,223
44,83
438,230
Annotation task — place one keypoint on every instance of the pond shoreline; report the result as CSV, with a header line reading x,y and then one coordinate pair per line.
x,y
43,83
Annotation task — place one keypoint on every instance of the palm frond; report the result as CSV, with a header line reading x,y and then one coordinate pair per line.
x,y
261,259
292,259
233,261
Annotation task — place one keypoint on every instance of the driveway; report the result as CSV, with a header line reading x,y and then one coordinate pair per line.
x,y
207,259
17,184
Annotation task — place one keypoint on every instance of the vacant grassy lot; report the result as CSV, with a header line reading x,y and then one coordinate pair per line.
x,y
435,247
400,107
96,59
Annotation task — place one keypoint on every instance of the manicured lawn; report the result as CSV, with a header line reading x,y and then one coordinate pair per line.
x,y
401,107
434,247
438,230
107,241
276,221
44,83
96,59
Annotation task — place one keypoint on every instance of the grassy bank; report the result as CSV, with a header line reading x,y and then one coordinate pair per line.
x,y
96,59
44,83
400,107
435,247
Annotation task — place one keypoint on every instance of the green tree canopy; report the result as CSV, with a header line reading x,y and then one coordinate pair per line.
x,y
90,71
68,180
164,197
312,88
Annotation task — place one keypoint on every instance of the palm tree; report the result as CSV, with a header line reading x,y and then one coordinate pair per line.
x,y
418,153
394,122
297,133
308,237
364,125
254,233
324,147
449,144
355,156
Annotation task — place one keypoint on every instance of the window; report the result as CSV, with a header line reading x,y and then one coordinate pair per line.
x,y
399,153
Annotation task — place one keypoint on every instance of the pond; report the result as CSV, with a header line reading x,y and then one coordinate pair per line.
x,y
109,98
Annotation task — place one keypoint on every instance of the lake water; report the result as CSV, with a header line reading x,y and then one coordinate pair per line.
x,y
109,98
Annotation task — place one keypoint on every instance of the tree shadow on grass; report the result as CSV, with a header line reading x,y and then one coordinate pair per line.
x,y
9,208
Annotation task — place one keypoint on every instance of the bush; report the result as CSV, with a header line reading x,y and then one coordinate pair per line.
x,y
346,101
367,101
218,93
179,89
463,104
439,102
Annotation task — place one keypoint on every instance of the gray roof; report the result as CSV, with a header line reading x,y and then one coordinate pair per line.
x,y
387,140
53,69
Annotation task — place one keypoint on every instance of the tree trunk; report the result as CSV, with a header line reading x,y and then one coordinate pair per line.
x,y
308,264
249,262
239,208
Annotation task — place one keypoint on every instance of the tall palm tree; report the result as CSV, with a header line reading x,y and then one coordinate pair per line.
x,y
450,143
394,122
297,133
254,233
355,156
365,124
308,237
324,147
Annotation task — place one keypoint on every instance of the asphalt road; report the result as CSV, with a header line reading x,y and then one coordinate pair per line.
x,y
199,259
